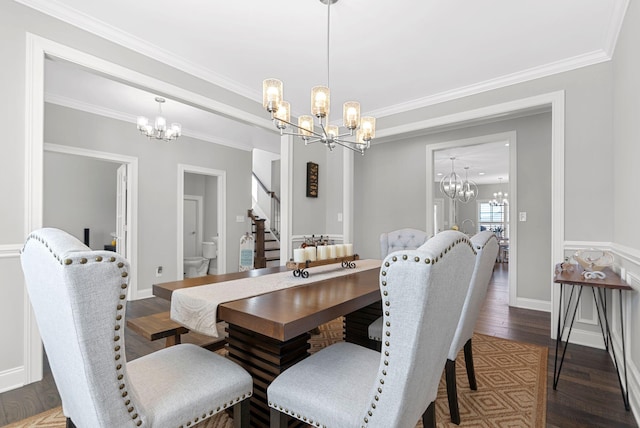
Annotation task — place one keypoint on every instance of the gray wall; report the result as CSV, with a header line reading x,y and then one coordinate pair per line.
x,y
390,193
80,193
157,182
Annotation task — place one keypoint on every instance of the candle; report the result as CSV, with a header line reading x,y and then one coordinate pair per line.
x,y
299,255
323,252
348,249
332,251
310,253
339,250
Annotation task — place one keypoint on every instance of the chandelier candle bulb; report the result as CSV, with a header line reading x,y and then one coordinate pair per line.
x,y
283,115
323,252
299,255
271,94
305,123
320,101
351,114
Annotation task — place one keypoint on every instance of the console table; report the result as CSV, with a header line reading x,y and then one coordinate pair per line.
x,y
599,287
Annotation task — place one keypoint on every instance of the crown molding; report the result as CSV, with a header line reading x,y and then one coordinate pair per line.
x,y
117,115
90,24
533,73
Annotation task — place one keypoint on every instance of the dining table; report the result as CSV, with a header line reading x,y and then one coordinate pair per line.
x,y
270,332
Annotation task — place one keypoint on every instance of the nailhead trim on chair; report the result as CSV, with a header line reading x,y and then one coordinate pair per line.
x,y
217,410
387,333
118,321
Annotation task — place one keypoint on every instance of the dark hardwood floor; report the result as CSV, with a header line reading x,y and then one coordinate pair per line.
x,y
588,394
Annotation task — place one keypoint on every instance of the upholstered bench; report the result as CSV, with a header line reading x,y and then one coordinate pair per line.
x,y
160,325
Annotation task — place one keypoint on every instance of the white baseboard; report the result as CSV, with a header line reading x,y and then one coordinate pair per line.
x,y
143,294
11,379
593,339
533,304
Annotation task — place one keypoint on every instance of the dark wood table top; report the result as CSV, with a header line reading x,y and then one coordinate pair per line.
x,y
285,314
165,289
611,280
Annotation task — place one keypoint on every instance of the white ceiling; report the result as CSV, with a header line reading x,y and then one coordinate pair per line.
x,y
391,56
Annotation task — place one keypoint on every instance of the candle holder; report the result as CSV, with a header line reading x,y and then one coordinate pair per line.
x,y
300,268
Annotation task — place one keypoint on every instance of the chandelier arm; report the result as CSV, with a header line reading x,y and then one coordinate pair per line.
x,y
313,132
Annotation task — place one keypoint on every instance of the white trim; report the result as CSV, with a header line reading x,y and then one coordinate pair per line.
x,y
533,304
144,294
12,379
286,197
199,221
8,251
132,201
113,114
222,215
511,137
347,195
116,35
568,64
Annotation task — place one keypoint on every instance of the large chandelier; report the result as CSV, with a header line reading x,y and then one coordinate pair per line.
x,y
499,198
159,130
359,130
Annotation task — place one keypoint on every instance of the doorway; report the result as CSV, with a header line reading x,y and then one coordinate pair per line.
x,y
201,214
466,216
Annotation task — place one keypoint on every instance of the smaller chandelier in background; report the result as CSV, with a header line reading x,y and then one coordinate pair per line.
x,y
499,198
451,184
469,190
159,130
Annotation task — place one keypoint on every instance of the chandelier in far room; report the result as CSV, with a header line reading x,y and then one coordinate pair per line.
x,y
159,129
499,198
359,130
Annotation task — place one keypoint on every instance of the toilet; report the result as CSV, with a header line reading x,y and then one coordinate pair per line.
x,y
200,266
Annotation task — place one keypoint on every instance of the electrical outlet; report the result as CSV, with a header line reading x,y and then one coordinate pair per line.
x,y
159,271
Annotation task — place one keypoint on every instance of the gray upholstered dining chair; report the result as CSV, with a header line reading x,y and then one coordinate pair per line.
x,y
347,385
486,246
401,239
79,300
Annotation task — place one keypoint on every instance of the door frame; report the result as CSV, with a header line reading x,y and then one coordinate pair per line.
x,y
511,138
132,202
222,213
199,220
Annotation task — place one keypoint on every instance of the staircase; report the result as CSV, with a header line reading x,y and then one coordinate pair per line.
x,y
267,245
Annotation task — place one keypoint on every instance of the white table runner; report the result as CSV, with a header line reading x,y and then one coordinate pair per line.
x,y
197,307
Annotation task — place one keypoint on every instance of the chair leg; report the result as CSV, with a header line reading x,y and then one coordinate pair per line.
x,y
241,414
278,419
70,423
452,391
429,416
468,360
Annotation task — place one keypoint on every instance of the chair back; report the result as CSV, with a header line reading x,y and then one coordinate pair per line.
x,y
401,239
79,300
486,245
423,292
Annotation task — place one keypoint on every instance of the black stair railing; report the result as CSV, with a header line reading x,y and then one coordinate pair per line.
x,y
274,215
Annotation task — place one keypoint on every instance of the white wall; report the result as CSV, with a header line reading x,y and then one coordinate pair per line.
x,y
80,193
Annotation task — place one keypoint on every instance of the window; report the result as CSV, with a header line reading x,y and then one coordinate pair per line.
x,y
494,218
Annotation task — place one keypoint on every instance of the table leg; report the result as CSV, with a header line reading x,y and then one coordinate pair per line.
x,y
356,324
556,373
606,335
264,358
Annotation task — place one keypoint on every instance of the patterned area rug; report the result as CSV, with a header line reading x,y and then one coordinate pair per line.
x,y
511,377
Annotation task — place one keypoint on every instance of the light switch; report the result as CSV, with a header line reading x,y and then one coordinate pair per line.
x,y
339,217
523,216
